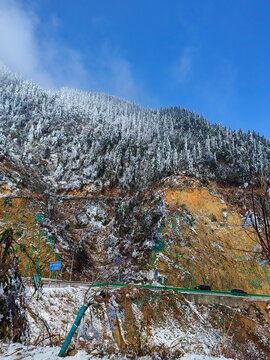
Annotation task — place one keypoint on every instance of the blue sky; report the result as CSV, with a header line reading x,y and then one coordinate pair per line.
x,y
210,56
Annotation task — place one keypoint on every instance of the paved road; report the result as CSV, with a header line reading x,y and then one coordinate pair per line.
x,y
58,283
199,297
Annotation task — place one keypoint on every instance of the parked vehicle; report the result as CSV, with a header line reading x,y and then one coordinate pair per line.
x,y
203,287
238,292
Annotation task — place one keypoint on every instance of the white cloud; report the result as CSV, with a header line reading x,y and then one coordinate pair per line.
x,y
52,64
182,69
18,48
122,82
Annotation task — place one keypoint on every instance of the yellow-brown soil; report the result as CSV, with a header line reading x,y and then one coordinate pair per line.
x,y
24,216
206,243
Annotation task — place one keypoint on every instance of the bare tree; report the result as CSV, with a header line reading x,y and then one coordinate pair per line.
x,y
259,216
13,324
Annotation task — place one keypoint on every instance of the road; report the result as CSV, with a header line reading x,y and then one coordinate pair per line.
x,y
196,296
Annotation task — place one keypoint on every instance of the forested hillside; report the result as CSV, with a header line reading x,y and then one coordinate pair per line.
x,y
119,193
71,138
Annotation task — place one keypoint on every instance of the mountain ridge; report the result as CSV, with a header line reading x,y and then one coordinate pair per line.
x,y
72,138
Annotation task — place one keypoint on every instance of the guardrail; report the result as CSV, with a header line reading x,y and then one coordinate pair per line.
x,y
63,283
59,283
180,289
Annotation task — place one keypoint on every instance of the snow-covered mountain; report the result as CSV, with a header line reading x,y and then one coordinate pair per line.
x,y
117,192
70,138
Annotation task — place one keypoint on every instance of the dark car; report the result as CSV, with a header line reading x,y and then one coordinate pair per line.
x,y
203,287
238,292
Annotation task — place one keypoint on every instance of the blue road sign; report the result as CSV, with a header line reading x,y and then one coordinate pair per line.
x,y
119,260
156,275
55,265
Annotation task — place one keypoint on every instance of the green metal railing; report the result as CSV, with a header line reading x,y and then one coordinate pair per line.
x,y
178,289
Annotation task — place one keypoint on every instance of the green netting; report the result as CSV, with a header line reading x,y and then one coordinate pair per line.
x,y
161,228
204,276
193,278
57,256
164,280
177,260
135,301
266,274
51,242
39,217
187,268
39,238
5,221
38,233
158,246
45,236
224,269
27,267
24,210
8,201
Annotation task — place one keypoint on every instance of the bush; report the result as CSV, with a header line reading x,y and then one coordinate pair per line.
x,y
213,218
13,323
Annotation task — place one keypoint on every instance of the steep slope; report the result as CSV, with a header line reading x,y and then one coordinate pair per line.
x,y
207,240
191,233
117,192
161,324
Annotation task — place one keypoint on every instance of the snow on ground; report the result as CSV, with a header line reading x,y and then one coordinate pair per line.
x,y
202,357
19,352
58,307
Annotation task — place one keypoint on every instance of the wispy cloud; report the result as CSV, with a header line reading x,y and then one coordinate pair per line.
x,y
183,67
53,64
122,82
23,52
18,46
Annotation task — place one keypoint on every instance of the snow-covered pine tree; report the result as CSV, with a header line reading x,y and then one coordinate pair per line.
x,y
85,137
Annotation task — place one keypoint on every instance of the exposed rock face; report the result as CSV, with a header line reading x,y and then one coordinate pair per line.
x,y
190,233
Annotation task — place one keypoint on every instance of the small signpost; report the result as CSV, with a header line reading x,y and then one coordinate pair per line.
x,y
53,266
156,275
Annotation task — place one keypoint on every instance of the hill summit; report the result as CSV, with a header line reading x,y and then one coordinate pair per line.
x,y
71,138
